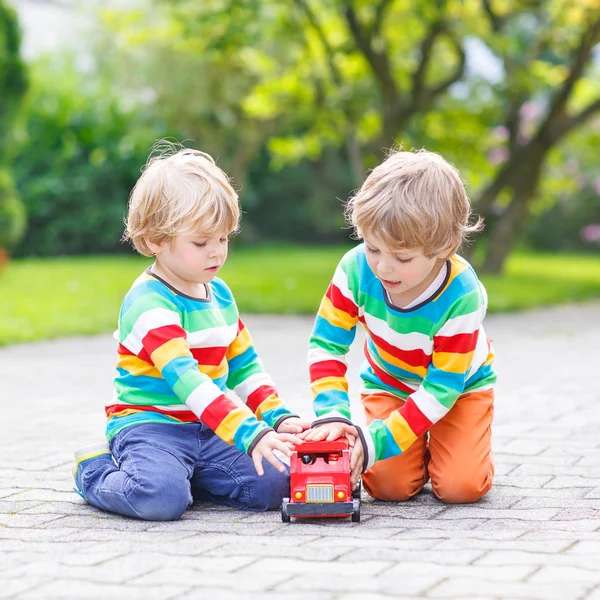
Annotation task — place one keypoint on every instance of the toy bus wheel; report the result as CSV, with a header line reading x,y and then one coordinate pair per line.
x,y
285,517
356,490
356,513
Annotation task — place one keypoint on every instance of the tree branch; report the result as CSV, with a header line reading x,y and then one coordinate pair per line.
x,y
495,21
378,61
418,79
580,58
576,120
454,77
380,11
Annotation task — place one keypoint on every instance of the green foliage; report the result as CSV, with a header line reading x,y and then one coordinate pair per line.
x,y
46,298
13,79
76,162
12,213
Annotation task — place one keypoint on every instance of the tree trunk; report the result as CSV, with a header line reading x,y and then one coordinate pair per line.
x,y
505,234
510,225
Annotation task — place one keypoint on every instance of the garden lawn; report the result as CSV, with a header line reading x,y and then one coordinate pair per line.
x,y
46,298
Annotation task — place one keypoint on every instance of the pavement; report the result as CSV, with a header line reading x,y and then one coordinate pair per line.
x,y
536,535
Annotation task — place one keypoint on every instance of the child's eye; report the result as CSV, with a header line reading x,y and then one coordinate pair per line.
x,y
224,240
199,244
404,261
372,250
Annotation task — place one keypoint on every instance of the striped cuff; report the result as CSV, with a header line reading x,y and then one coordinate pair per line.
x,y
282,419
257,439
368,447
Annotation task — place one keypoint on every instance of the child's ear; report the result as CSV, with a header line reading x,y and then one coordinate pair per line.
x,y
154,247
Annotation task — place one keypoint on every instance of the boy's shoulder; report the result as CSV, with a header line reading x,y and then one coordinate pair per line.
x,y
462,281
221,292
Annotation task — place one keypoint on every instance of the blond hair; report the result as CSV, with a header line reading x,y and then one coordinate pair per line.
x,y
413,200
180,190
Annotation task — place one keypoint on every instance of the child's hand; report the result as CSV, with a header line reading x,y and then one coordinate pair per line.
x,y
293,425
357,460
269,442
331,431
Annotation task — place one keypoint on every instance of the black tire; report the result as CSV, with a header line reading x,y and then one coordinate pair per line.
x,y
285,517
356,513
356,490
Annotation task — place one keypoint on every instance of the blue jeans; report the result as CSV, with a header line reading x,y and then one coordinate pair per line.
x,y
163,468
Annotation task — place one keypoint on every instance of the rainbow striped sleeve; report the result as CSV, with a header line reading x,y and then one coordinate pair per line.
x,y
249,381
333,333
454,346
152,329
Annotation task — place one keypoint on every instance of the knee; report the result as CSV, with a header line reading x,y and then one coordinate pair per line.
x,y
161,499
391,488
267,492
462,490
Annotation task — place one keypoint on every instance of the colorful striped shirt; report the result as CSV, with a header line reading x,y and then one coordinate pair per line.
x,y
427,355
178,355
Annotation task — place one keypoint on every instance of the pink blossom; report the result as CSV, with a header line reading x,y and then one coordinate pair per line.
x,y
529,111
501,132
591,233
597,186
498,155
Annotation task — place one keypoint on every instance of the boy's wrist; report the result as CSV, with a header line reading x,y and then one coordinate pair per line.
x,y
261,434
331,419
368,447
283,418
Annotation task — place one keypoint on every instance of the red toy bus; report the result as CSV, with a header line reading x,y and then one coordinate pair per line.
x,y
320,482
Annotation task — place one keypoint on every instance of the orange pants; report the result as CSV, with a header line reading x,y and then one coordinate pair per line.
x,y
456,455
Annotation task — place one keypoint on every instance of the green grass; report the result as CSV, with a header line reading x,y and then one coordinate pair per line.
x,y
46,298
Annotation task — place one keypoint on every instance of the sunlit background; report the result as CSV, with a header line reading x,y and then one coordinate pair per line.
x,y
296,99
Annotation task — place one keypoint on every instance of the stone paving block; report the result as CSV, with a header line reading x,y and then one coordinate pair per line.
x,y
518,493
15,506
97,520
142,537
12,588
594,594
407,569
83,590
271,548
442,534
88,556
401,510
464,587
525,446
525,470
20,520
251,581
239,526
345,529
556,502
525,526
595,493
220,594
368,568
353,544
587,565
548,547
571,482
323,581
571,536
584,548
32,534
432,557
518,481
51,548
475,512
65,509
